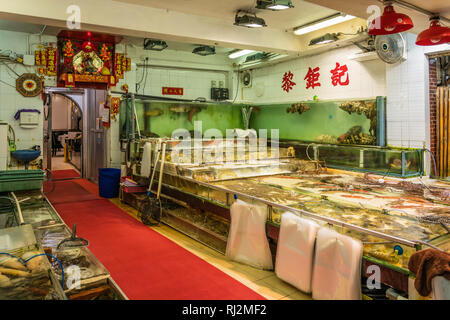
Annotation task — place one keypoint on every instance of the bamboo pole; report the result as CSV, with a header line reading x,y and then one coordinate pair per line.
x,y
441,130
446,132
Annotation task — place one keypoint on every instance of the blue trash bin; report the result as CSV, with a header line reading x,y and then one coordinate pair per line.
x,y
108,182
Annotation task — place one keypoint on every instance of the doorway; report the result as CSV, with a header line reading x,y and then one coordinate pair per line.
x,y
63,152
73,135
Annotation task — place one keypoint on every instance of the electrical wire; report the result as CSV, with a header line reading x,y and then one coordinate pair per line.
x,y
238,83
145,81
8,84
138,84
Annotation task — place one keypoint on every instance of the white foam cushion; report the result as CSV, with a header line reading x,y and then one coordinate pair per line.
x,y
295,251
337,267
247,240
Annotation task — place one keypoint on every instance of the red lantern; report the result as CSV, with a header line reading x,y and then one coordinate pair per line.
x,y
434,35
390,22
87,46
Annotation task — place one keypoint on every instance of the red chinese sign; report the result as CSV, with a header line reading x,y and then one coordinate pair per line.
x,y
338,74
312,78
46,59
172,91
287,83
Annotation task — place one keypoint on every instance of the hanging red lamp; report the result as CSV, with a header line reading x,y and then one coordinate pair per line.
x,y
434,35
390,22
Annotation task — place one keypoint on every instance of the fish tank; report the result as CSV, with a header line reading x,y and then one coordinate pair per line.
x,y
161,118
403,163
343,122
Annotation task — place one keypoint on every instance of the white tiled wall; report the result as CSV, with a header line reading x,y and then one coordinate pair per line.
x,y
10,100
195,83
408,111
367,79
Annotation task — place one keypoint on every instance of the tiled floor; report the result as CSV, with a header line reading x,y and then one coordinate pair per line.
x,y
264,282
59,164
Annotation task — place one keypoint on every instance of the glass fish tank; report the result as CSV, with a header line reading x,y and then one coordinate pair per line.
x,y
351,122
162,118
384,161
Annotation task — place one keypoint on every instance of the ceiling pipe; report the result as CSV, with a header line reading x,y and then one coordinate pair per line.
x,y
407,5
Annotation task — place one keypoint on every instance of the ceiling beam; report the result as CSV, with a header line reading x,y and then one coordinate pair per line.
x,y
141,21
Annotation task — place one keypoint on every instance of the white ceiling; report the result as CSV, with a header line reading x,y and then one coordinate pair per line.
x,y
303,12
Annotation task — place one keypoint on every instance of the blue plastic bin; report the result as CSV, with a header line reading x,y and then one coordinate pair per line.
x,y
108,182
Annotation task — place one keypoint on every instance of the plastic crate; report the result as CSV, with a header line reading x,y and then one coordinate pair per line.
x,y
16,180
131,189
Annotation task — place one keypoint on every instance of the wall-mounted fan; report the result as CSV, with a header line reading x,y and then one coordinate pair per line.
x,y
391,48
246,79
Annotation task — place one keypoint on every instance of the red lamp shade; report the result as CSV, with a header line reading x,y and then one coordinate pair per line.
x,y
434,35
390,22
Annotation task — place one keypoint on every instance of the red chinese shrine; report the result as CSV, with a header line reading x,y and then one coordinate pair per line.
x,y
89,60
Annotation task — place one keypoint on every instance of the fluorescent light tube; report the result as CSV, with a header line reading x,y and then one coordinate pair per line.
x,y
278,7
322,24
240,53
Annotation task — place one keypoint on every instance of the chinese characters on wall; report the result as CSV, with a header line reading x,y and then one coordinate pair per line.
x,y
339,77
287,83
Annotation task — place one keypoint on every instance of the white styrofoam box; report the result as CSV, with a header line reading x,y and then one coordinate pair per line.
x,y
247,241
295,251
337,267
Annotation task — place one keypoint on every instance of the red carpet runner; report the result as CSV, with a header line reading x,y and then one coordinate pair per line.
x,y
65,174
145,264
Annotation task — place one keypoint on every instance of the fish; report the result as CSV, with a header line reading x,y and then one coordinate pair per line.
x,y
298,107
154,113
192,112
397,164
326,138
181,108
354,131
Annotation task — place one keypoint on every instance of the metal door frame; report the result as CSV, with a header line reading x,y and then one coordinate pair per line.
x,y
77,96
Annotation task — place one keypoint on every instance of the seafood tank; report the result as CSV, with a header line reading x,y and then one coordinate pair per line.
x,y
25,273
45,230
392,217
384,161
161,118
331,122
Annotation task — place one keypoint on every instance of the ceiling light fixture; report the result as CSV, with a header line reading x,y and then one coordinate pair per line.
x,y
434,35
322,23
256,57
390,22
204,50
239,53
275,5
249,21
155,45
327,38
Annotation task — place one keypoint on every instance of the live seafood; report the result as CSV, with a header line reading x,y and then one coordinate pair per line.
x,y
298,107
367,108
154,112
